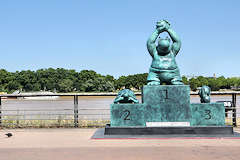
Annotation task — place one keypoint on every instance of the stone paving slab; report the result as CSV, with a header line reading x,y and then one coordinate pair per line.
x,y
75,144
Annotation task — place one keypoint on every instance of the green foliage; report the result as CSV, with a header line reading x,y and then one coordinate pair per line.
x,y
214,83
63,80
99,84
194,83
185,80
60,80
65,85
131,81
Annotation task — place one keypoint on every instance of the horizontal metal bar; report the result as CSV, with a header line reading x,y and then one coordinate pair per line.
x,y
30,119
232,112
38,114
17,124
60,114
54,109
103,94
90,109
50,119
67,114
232,108
36,110
62,94
93,109
94,114
50,110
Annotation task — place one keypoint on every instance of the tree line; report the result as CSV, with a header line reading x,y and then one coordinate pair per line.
x,y
64,80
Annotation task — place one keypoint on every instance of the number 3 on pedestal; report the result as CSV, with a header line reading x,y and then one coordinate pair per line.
x,y
207,114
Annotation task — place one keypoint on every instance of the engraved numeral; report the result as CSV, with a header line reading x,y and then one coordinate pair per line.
x,y
164,92
208,114
126,115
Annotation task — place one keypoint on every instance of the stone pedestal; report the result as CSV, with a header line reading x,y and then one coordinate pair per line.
x,y
168,106
207,114
127,115
167,103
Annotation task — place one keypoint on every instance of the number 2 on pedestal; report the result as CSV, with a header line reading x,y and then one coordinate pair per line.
x,y
126,114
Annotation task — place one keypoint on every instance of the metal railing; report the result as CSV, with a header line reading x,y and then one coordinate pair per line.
x,y
73,114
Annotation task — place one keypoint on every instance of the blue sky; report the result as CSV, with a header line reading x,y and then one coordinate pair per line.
x,y
110,36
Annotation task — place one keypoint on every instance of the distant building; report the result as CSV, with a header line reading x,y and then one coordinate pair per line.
x,y
235,88
214,75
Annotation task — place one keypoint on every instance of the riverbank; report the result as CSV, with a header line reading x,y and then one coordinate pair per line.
x,y
137,93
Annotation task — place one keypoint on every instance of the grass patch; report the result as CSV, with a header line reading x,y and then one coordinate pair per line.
x,y
93,123
228,121
60,122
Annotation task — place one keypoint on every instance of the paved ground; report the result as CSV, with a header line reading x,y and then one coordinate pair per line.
x,y
75,144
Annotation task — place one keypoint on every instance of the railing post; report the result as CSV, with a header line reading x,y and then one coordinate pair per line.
x,y
75,111
0,111
234,115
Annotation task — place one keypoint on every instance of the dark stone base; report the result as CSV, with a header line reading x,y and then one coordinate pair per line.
x,y
208,130
99,134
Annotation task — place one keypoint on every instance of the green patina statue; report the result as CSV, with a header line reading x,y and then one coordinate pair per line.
x,y
126,96
204,94
164,67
